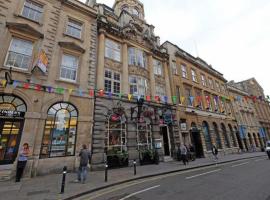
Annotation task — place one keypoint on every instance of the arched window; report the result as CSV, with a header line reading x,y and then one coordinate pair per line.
x,y
232,135
218,141
60,131
225,136
207,136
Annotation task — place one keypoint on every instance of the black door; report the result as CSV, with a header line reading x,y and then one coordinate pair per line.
x,y
165,141
239,141
10,136
197,143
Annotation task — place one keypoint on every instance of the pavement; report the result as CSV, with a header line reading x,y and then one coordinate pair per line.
x,y
48,187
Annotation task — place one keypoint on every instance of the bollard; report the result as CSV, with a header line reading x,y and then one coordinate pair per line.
x,y
134,165
106,172
63,180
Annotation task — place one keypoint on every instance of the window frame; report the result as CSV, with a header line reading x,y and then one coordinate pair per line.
x,y
184,71
114,51
77,69
203,79
137,53
76,22
30,57
158,69
36,11
194,76
113,80
138,85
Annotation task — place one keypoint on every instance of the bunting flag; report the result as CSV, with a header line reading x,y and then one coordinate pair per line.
x,y
70,90
4,82
129,96
50,89
223,99
91,93
246,98
182,100
60,90
15,83
120,95
165,99
101,93
191,98
148,98
174,99
80,91
207,101
38,87
157,99
232,98
110,95
26,85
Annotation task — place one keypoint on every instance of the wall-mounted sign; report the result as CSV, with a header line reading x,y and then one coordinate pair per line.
x,y
11,113
183,126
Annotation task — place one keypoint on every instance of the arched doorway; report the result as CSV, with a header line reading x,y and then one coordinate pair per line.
x,y
196,140
255,140
238,138
232,135
12,111
218,141
207,136
225,136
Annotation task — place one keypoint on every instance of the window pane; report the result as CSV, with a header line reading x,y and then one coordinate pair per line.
x,y
32,10
74,29
69,67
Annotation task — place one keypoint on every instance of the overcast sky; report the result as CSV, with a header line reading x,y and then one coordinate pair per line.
x,y
231,35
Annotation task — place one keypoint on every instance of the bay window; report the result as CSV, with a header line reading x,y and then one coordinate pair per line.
x,y
138,85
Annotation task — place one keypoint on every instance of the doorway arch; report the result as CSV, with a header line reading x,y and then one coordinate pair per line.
x,y
207,136
12,111
196,140
225,136
218,140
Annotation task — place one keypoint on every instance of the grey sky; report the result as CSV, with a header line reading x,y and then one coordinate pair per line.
x,y
233,35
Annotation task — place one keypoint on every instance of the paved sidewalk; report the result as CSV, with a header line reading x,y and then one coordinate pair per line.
x,y
48,187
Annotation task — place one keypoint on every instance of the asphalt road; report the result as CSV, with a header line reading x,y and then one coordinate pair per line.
x,y
241,180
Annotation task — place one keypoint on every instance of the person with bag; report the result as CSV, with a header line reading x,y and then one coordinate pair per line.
x,y
215,152
85,157
22,160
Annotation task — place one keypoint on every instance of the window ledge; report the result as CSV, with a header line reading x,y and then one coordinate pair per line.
x,y
68,82
78,39
21,16
14,69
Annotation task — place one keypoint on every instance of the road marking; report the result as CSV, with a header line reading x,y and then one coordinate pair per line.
x,y
240,164
197,175
141,191
259,159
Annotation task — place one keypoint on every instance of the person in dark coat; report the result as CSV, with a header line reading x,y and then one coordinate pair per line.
x,y
215,152
22,160
85,157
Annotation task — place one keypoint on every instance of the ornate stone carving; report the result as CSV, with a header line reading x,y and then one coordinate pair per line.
x,y
116,66
133,70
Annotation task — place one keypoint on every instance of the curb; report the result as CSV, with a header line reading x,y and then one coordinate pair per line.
x,y
153,175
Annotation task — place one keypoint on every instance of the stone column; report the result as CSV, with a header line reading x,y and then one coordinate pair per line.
x,y
101,56
125,82
152,76
167,82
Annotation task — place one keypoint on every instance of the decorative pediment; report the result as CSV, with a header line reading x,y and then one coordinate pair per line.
x,y
71,46
24,28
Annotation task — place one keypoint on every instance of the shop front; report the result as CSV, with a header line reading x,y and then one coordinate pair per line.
x,y
12,112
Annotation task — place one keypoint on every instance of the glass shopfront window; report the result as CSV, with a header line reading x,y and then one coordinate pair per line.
x,y
60,131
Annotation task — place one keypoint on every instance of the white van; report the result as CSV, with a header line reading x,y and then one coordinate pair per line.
x,y
268,148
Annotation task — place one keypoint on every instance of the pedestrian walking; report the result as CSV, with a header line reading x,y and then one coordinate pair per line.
x,y
183,149
85,157
22,160
215,152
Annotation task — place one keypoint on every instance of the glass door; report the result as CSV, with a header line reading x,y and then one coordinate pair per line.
x,y
10,135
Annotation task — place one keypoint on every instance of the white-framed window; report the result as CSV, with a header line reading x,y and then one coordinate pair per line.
x,y
69,67
211,85
138,85
160,90
157,67
74,28
203,80
32,10
112,81
112,50
174,68
19,54
184,71
217,86
136,57
194,75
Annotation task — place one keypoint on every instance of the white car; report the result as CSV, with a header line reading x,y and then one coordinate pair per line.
x,y
268,148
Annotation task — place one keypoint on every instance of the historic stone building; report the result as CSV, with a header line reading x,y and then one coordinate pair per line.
x,y
249,133
204,109
133,112
47,66
261,104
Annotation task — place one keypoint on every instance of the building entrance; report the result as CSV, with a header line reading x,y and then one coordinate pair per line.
x,y
166,140
12,111
197,143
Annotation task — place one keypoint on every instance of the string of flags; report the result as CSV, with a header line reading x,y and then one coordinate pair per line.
x,y
158,99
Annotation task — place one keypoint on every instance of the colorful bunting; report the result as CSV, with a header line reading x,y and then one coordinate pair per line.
x,y
101,93
129,96
91,93
70,90
148,98
4,82
174,99
26,85
183,100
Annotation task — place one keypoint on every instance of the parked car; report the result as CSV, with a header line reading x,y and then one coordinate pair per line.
x,y
267,149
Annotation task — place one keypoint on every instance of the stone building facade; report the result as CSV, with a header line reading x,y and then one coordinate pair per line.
x,y
47,65
135,113
261,104
204,109
248,135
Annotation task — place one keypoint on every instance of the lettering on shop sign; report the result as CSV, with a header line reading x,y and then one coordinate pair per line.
x,y
11,113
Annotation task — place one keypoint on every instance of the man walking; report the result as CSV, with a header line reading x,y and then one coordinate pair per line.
x,y
183,149
215,152
85,157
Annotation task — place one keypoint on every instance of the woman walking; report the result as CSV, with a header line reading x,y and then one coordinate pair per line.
x,y
22,160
